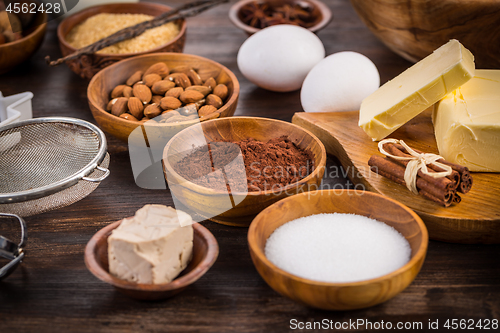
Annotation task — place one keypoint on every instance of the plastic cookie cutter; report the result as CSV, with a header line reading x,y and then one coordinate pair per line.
x,y
15,108
12,251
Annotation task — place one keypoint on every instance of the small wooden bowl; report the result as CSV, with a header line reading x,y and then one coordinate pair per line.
x,y
205,252
415,28
324,14
216,205
338,296
87,66
101,85
17,52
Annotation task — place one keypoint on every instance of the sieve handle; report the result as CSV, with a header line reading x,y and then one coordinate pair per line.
x,y
98,179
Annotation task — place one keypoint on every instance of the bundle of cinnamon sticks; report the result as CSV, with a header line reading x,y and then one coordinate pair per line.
x,y
443,190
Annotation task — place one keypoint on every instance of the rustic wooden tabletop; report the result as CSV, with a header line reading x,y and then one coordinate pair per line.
x,y
53,291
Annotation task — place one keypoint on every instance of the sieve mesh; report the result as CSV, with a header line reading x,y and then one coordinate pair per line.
x,y
40,154
57,200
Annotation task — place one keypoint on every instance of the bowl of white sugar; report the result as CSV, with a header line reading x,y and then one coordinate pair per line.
x,y
338,249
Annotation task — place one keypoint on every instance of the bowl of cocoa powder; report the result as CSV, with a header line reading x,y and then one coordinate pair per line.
x,y
230,169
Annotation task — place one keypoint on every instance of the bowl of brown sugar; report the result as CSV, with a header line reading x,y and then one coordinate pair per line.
x,y
230,169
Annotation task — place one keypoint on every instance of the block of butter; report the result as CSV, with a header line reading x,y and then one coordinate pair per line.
x,y
151,247
467,123
416,89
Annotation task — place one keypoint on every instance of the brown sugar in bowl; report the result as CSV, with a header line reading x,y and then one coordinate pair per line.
x,y
101,85
241,208
348,295
205,252
88,65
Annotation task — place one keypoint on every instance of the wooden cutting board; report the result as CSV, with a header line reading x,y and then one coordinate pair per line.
x,y
475,220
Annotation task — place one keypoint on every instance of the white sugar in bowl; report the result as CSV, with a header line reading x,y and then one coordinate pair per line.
x,y
279,57
339,82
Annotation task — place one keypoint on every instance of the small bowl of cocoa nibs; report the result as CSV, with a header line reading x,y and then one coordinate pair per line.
x,y
254,15
163,92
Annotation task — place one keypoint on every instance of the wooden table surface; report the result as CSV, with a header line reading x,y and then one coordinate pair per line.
x,y
53,291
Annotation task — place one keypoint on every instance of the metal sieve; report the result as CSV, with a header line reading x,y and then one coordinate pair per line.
x,y
49,163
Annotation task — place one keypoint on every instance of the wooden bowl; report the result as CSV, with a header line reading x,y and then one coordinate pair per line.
x,y
101,85
338,296
205,252
415,28
323,14
87,66
17,52
241,208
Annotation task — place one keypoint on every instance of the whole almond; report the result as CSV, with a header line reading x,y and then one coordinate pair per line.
x,y
200,103
118,91
180,69
120,106
128,116
202,89
161,87
180,79
210,83
159,68
167,114
136,77
153,110
110,104
174,92
170,103
142,92
214,100
188,110
221,91
135,107
151,79
128,92
190,96
194,77
156,99
138,83
206,110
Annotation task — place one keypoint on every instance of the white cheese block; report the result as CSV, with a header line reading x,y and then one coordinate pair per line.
x,y
152,247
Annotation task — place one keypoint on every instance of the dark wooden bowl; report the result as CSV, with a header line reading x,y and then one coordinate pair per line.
x,y
17,52
101,85
415,28
323,13
88,66
338,296
216,205
205,252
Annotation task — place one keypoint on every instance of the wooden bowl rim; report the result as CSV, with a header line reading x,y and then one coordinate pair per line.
x,y
123,122
419,255
235,9
208,260
35,32
102,10
205,190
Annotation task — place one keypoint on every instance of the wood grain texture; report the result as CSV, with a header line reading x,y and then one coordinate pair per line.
x,y
216,204
475,220
415,28
53,291
15,53
88,65
205,252
338,296
101,85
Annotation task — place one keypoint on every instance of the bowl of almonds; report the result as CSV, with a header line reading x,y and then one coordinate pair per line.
x,y
164,92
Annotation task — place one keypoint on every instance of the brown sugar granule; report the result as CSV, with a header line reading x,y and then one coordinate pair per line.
x,y
266,165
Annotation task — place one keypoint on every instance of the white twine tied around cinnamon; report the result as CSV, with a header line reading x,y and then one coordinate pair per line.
x,y
416,162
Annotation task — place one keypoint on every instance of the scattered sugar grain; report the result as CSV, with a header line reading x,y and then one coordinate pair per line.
x,y
337,248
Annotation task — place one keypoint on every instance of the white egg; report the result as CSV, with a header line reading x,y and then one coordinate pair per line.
x,y
278,58
339,82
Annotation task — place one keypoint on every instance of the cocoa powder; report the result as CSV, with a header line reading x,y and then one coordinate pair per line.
x,y
264,165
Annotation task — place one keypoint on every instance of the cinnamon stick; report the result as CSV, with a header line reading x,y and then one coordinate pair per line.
x,y
388,168
465,183
443,183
